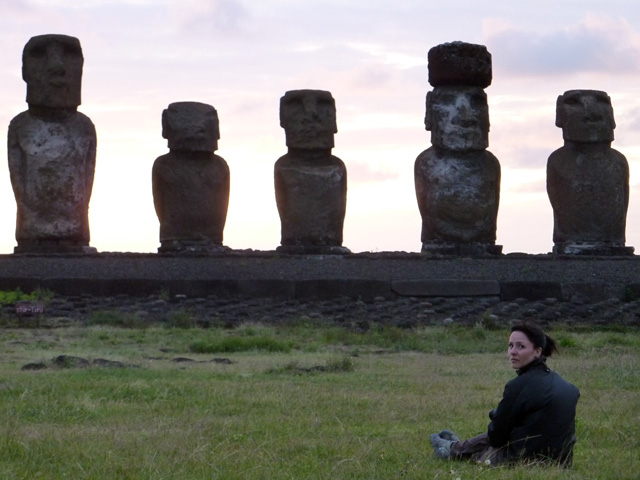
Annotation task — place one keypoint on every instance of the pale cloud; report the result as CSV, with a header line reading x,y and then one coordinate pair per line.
x,y
15,7
631,122
209,17
595,44
527,156
390,57
370,76
538,186
363,173
87,4
242,55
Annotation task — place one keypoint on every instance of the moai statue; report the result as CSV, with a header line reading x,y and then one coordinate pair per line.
x,y
191,183
587,180
457,180
310,183
52,151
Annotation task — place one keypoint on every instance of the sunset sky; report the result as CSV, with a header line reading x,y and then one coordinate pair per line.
x,y
241,56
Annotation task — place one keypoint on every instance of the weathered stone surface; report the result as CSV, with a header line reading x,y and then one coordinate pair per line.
x,y
52,150
328,288
446,288
458,118
457,180
587,180
70,361
52,68
309,119
191,183
34,366
529,290
592,292
459,63
253,285
458,197
310,183
585,116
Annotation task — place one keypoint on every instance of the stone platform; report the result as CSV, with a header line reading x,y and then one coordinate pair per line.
x,y
366,276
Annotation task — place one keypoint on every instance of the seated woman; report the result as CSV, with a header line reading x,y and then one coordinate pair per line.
x,y
535,420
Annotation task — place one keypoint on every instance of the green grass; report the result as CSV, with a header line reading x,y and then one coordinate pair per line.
x,y
241,344
328,403
11,297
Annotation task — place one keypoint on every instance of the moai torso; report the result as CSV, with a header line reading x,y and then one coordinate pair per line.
x,y
311,196
457,180
52,150
52,169
310,183
191,183
587,180
458,196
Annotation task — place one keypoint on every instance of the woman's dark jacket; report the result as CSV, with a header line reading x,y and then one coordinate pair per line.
x,y
536,416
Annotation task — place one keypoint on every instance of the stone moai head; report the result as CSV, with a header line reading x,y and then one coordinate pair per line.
x,y
457,112
52,69
585,116
458,118
309,119
191,127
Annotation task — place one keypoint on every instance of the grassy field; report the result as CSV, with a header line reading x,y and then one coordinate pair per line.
x,y
293,402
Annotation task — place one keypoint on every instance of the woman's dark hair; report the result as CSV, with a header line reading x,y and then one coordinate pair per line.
x,y
537,337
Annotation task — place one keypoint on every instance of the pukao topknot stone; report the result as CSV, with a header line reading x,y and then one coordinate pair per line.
x,y
460,63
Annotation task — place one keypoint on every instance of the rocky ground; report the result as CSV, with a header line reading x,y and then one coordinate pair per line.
x,y
408,312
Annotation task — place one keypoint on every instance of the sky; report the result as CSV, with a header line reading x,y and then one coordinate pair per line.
x,y
241,56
